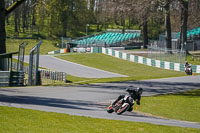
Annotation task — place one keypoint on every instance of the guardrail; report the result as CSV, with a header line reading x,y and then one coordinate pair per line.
x,y
4,78
17,78
47,74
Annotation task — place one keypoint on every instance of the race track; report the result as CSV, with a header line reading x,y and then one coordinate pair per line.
x,y
91,100
71,68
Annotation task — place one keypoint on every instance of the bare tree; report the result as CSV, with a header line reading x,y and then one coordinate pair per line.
x,y
168,23
184,20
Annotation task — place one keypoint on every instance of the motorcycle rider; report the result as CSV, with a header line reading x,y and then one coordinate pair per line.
x,y
186,64
135,94
188,68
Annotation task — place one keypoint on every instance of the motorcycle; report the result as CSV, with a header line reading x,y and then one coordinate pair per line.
x,y
188,70
121,106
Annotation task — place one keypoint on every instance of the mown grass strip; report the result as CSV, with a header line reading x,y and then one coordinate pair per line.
x,y
14,120
135,71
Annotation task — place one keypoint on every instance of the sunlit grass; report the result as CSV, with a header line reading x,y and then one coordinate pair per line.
x,y
182,106
14,120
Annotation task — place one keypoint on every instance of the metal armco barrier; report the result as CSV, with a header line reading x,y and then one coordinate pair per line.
x,y
4,78
46,74
17,78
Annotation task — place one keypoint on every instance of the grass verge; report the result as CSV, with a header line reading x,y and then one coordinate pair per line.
x,y
135,71
15,120
181,106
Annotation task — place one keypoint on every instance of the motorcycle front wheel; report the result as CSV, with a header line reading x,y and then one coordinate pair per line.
x,y
123,109
110,109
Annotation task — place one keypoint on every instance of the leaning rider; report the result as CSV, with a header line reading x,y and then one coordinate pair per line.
x,y
186,64
135,94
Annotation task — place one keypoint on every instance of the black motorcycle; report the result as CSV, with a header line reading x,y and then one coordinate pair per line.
x,y
121,106
188,70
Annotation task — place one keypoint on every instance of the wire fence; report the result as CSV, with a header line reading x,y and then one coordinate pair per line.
x,y
47,76
164,54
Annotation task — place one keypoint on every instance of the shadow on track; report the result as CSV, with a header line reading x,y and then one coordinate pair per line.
x,y
150,87
51,102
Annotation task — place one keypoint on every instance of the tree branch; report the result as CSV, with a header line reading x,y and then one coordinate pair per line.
x,y
13,6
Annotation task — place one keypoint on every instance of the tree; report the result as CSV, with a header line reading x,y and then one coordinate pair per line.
x,y
184,19
123,9
168,23
41,11
2,27
3,13
188,10
143,10
71,15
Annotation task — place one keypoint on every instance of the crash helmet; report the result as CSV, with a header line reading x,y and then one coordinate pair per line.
x,y
129,88
139,91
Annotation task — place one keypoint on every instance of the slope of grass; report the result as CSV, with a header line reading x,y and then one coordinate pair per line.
x,y
14,120
135,71
12,45
182,106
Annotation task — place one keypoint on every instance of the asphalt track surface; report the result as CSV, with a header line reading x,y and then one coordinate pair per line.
x,y
71,68
91,100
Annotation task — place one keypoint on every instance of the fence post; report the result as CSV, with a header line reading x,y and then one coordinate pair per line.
x,y
33,74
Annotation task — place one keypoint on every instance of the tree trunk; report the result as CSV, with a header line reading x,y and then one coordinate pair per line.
x,y
33,13
168,24
98,27
7,20
24,17
2,28
16,21
184,19
129,22
64,31
3,13
7,17
145,33
2,32
123,24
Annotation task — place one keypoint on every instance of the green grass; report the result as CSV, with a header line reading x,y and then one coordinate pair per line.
x,y
194,61
14,120
135,71
12,45
182,106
